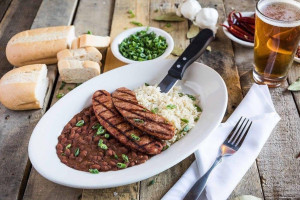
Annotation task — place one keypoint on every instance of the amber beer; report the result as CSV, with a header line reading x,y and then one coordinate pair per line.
x,y
277,35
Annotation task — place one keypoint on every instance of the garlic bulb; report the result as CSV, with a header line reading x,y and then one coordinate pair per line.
x,y
207,18
189,9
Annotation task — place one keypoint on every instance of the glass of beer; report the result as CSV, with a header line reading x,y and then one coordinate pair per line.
x,y
277,35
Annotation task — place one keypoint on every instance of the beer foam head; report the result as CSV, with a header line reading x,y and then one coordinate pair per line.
x,y
276,12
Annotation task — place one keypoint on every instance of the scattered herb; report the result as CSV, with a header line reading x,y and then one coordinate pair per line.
x,y
94,171
144,109
143,45
156,10
136,23
116,156
192,32
171,106
62,85
100,130
135,137
169,17
138,121
165,147
68,146
80,123
121,165
89,32
198,108
191,97
151,182
168,25
181,94
177,51
106,135
295,86
96,126
62,154
125,158
147,84
69,88
185,120
132,15
102,145
154,110
60,95
76,152
196,119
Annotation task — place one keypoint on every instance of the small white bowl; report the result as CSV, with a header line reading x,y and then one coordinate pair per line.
x,y
127,33
235,39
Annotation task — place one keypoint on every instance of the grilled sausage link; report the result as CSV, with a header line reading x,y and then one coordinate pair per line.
x,y
126,103
117,126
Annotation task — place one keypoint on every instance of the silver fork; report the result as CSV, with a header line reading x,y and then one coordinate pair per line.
x,y
232,143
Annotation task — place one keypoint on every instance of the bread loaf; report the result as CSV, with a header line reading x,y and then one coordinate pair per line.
x,y
24,88
87,53
99,42
39,46
76,71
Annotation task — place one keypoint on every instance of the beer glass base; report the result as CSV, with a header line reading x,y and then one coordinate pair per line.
x,y
266,81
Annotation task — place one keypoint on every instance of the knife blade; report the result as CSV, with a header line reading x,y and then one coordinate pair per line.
x,y
190,54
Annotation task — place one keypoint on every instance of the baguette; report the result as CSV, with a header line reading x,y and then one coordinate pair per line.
x,y
75,44
94,41
87,53
76,71
24,88
38,46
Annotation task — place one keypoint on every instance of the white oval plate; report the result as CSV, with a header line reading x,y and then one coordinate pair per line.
x,y
199,79
235,39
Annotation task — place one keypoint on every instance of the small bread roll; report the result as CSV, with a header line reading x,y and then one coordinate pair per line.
x,y
99,42
87,53
24,88
76,71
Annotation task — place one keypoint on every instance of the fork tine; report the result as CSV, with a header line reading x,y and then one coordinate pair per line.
x,y
231,133
237,132
244,136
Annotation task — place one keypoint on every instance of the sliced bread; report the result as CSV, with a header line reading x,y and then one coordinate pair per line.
x,y
99,42
87,53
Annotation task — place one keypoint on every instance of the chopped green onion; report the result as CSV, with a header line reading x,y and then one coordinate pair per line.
x,y
77,152
60,95
165,147
135,137
136,23
96,126
116,156
198,108
62,85
138,120
121,165
80,123
171,106
69,88
154,110
144,109
68,146
94,171
89,32
147,84
151,182
196,119
132,15
180,94
185,121
100,130
106,135
191,97
102,145
62,154
125,158
168,25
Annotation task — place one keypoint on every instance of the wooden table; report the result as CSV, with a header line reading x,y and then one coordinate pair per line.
x,y
274,175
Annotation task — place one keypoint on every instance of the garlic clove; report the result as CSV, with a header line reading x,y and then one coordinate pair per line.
x,y
207,18
189,9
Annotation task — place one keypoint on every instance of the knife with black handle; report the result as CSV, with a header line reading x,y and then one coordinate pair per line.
x,y
191,53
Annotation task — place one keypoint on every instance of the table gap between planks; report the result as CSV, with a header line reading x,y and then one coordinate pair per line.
x,y
229,60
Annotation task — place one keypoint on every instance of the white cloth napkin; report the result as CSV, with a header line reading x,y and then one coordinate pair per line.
x,y
258,107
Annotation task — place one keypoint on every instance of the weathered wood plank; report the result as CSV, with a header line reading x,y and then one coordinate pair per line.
x,y
13,140
4,4
278,167
293,75
88,10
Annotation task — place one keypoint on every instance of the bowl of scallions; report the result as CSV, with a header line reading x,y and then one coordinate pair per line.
x,y
142,44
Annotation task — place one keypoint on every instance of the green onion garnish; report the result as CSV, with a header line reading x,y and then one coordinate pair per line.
x,y
196,119
138,120
165,147
77,152
106,135
136,23
69,88
62,85
60,95
147,84
191,97
171,106
198,108
116,156
89,32
135,137
80,123
96,126
132,15
100,130
151,182
125,158
185,121
102,145
180,94
121,165
68,146
168,25
154,110
94,171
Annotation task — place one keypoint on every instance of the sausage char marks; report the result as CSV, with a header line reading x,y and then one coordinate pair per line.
x,y
126,103
117,126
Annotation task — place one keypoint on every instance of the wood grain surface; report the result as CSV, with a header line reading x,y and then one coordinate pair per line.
x,y
4,4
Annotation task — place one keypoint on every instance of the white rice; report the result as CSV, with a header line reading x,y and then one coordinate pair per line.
x,y
151,98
